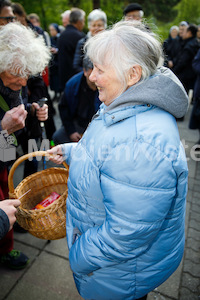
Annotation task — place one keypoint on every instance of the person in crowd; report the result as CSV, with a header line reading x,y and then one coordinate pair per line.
x,y
35,21
77,106
65,20
183,25
6,13
22,54
65,17
171,46
198,34
97,21
35,90
183,66
133,12
176,46
67,45
53,67
128,174
195,115
8,209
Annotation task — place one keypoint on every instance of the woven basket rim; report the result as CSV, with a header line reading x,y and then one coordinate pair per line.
x,y
29,178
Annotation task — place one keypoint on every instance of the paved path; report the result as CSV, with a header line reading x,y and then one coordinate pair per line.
x,y
48,275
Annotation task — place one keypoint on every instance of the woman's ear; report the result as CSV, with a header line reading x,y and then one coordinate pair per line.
x,y
134,75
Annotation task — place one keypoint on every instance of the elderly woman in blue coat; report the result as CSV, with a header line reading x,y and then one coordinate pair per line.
x,y
128,174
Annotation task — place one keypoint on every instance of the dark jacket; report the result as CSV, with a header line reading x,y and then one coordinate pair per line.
x,y
12,98
69,102
196,68
171,48
79,55
183,67
195,115
67,46
4,224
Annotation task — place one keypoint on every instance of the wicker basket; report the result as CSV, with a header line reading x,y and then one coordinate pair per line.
x,y
50,222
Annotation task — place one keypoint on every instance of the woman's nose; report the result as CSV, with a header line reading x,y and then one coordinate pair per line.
x,y
92,76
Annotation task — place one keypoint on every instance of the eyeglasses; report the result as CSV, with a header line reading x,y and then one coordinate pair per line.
x,y
8,19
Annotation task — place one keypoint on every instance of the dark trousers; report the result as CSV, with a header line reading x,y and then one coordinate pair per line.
x,y
6,244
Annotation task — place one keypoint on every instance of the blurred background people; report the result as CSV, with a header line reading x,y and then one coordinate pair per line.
x,y
97,21
171,46
65,17
35,20
198,33
133,11
77,106
53,66
183,65
195,115
6,12
67,45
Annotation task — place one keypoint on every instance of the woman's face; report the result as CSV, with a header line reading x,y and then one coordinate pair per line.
x,y
14,82
96,26
107,82
174,33
52,31
198,33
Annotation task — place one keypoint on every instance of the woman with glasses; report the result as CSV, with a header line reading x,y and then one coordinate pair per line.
x,y
6,13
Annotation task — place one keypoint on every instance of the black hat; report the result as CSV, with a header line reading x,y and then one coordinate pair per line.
x,y
132,7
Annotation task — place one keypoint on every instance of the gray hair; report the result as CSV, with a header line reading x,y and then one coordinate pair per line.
x,y
174,27
66,13
22,51
76,15
127,44
141,13
95,15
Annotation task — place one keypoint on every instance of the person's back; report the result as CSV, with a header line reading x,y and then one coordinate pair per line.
x,y
67,46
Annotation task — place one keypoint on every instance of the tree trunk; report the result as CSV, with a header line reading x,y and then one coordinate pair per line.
x,y
96,4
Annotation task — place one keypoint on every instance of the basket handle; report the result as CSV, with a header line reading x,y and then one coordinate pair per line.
x,y
19,161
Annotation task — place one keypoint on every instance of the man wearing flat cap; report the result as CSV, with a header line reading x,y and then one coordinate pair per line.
x,y
133,12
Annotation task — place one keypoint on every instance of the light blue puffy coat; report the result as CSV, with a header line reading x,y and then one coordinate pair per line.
x,y
126,195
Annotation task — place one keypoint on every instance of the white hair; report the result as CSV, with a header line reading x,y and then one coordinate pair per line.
x,y
141,13
95,15
174,27
127,44
21,51
66,13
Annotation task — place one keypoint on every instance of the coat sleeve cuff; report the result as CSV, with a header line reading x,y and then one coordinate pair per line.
x,y
4,224
67,150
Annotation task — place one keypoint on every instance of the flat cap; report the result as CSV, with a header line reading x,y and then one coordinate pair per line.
x,y
132,7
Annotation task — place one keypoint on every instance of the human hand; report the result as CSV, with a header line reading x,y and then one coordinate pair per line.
x,y
56,154
54,50
9,206
170,64
75,137
14,119
41,112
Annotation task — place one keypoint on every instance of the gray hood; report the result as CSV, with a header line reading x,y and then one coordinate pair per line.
x,y
163,89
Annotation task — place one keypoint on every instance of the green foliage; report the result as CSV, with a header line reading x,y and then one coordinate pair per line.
x,y
161,9
188,11
162,14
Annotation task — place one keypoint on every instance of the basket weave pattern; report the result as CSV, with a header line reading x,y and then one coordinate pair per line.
x,y
50,222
